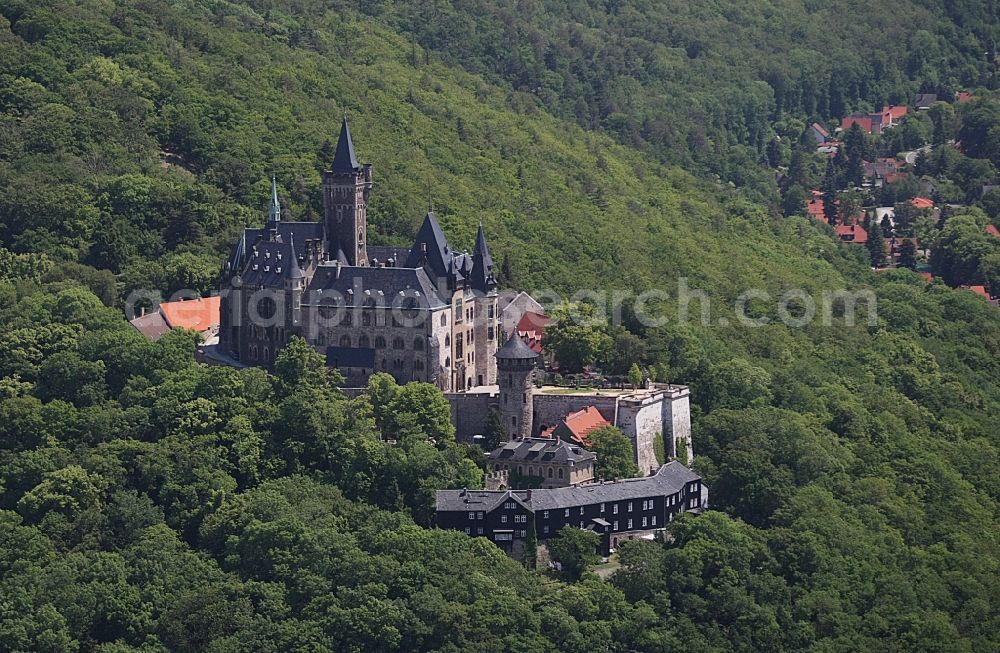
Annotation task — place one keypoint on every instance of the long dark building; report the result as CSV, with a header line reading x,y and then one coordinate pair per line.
x,y
616,510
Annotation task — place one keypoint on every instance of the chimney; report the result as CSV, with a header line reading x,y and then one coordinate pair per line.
x,y
527,496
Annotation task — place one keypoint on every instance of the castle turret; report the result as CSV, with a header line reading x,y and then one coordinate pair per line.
x,y
346,186
516,375
274,210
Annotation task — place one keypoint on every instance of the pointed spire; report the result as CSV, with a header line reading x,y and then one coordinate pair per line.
x,y
482,264
274,211
294,271
344,160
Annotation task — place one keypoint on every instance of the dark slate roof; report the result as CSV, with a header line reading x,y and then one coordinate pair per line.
x,y
383,253
516,349
269,263
468,500
385,286
439,256
301,232
294,271
350,357
482,276
152,325
543,450
670,479
344,160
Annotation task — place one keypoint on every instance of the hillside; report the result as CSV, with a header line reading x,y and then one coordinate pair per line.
x,y
148,503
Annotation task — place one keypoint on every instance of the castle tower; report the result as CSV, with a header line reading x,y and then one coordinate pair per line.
x,y
516,374
487,313
345,200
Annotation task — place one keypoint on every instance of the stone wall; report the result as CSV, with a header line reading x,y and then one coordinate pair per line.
x,y
470,412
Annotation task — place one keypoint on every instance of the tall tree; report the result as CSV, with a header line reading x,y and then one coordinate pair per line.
x,y
876,245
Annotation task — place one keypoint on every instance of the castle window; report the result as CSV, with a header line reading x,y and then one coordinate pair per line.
x,y
489,333
379,318
266,308
379,342
524,398
364,341
366,319
496,467
447,362
266,354
550,472
418,343
345,340
489,311
447,341
345,319
397,343
560,472
444,319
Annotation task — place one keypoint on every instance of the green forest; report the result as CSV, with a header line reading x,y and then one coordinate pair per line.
x,y
149,503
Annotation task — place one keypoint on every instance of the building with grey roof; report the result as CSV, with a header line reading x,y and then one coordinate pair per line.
x,y
616,510
423,313
543,462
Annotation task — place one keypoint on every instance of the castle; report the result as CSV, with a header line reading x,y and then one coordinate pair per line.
x,y
427,313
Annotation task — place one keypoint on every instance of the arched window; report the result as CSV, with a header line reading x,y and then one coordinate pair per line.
x,y
468,383
346,318
418,343
550,472
364,341
266,354
366,319
397,343
560,472
447,361
447,341
520,470
345,340
531,470
418,365
444,319
379,342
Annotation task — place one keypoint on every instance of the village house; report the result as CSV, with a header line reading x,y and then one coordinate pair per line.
x,y
877,121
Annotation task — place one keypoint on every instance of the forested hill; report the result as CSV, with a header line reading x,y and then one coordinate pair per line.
x,y
707,84
148,503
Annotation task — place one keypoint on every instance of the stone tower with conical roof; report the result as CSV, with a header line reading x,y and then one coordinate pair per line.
x,y
516,364
346,186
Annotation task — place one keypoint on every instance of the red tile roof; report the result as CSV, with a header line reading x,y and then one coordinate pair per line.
x,y
992,230
979,290
853,233
864,121
196,314
963,96
893,112
922,203
577,426
928,277
531,329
